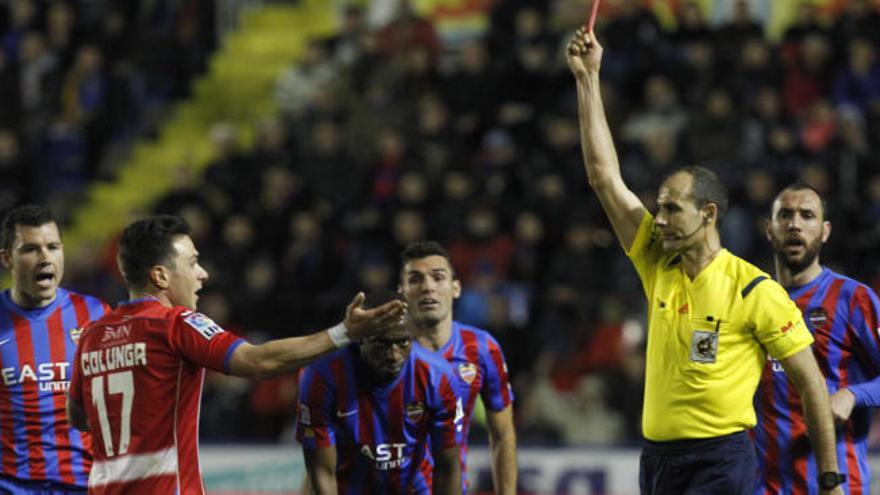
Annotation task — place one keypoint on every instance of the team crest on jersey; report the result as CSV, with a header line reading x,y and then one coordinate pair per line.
x,y
817,317
467,372
414,410
75,334
204,325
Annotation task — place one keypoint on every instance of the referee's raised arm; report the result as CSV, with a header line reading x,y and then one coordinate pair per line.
x,y
623,207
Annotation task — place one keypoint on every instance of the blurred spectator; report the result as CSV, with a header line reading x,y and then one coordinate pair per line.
x,y
808,76
296,86
406,31
859,82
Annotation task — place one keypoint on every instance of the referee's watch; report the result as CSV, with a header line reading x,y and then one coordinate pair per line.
x,y
829,480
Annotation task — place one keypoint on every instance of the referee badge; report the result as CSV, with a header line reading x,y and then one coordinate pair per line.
x,y
704,346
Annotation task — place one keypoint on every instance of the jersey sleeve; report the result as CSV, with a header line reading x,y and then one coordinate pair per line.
x,y
778,323
864,322
314,425
203,342
496,391
645,252
447,410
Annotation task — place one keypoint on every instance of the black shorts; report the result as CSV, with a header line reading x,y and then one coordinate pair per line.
x,y
721,465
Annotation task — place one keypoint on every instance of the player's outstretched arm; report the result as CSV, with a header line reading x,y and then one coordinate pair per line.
x,y
284,355
76,415
502,444
321,470
803,370
447,471
623,207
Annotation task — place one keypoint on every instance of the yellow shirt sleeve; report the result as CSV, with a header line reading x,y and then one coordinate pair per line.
x,y
779,324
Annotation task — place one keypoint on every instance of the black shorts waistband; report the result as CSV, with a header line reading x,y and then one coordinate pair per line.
x,y
690,445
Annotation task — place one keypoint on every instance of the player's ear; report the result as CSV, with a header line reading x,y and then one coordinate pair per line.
x,y
6,258
826,230
160,277
456,288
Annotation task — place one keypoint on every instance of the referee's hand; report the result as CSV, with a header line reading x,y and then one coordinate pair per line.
x,y
584,54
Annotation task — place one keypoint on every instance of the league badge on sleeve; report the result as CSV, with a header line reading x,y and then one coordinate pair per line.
x,y
204,325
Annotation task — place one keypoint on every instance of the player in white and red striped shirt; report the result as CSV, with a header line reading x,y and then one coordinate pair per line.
x,y
138,371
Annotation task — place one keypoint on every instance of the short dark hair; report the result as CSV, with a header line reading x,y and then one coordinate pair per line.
x,y
706,188
423,249
803,186
26,215
147,243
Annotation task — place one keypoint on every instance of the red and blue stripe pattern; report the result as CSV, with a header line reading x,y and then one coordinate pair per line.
x,y
844,317
36,349
481,371
380,433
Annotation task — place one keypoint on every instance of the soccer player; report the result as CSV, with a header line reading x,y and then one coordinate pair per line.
x,y
712,318
40,324
367,413
843,316
429,286
138,371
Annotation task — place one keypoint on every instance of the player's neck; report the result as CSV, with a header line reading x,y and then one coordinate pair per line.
x,y
787,278
134,295
23,300
694,260
436,336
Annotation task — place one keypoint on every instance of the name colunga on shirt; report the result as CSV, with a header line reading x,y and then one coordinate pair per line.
x,y
114,358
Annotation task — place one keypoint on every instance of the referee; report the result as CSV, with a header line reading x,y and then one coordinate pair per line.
x,y
712,319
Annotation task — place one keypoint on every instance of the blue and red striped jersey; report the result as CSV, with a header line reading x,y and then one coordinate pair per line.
x,y
380,433
480,371
844,317
36,349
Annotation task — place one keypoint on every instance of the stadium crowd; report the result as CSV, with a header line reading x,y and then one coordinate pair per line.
x,y
394,134
78,80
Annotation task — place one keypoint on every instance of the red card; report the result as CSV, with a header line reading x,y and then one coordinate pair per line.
x,y
593,12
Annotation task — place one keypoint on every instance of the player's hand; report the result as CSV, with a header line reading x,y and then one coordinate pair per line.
x,y
836,491
362,322
842,403
584,54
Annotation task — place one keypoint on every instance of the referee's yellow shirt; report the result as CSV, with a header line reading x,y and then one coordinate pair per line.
x,y
708,340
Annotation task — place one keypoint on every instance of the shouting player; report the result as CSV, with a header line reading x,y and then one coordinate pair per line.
x,y
368,412
844,317
138,371
40,324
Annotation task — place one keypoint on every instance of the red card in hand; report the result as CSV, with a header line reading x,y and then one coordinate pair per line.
x,y
593,12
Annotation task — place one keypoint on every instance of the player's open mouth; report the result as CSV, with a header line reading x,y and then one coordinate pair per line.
x,y
428,303
45,278
795,245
